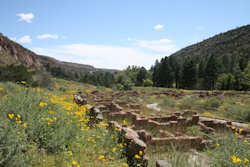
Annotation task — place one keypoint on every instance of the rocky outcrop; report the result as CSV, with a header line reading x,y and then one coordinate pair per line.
x,y
13,53
79,99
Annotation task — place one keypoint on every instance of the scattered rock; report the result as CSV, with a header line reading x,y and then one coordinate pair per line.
x,y
163,163
79,99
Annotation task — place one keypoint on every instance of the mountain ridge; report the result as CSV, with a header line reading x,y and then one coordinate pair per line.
x,y
12,52
228,43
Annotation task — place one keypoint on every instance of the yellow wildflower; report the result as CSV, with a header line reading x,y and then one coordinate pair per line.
x,y
25,125
217,144
137,156
124,164
42,104
10,116
23,82
246,160
240,130
74,162
233,127
70,153
18,116
235,159
101,157
140,152
114,150
124,122
1,89
19,122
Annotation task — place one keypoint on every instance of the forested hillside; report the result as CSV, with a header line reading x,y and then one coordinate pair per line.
x,y
220,62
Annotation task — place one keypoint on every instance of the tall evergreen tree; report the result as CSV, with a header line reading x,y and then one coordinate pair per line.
x,y
175,68
189,74
211,73
141,75
165,74
156,73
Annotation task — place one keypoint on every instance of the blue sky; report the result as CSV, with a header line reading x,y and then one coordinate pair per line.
x,y
117,33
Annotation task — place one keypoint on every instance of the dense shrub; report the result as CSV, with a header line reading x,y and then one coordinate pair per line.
x,y
147,82
212,103
238,112
15,73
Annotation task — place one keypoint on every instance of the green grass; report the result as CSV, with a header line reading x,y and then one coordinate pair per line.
x,y
49,133
42,128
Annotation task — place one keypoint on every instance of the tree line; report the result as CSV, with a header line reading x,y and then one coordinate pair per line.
x,y
223,73
204,73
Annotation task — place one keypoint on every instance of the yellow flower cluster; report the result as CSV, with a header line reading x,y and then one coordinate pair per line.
x,y
42,104
237,131
74,163
238,160
235,159
50,120
137,156
11,116
101,157
22,82
124,164
17,119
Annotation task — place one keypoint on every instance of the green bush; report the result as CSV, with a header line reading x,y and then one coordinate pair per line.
x,y
15,73
212,103
237,112
147,82
42,79
125,85
225,82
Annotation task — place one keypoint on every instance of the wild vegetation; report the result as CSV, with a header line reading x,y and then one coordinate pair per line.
x,y
44,128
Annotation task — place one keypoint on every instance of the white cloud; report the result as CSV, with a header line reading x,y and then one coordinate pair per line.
x,y
27,17
158,27
13,38
162,45
101,56
47,36
24,39
131,39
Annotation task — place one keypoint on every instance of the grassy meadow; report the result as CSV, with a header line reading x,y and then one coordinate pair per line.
x,y
42,128
45,128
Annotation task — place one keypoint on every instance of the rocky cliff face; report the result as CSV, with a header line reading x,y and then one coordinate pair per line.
x,y
13,53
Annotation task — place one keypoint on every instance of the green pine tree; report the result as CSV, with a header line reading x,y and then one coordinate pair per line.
x,y
189,74
211,73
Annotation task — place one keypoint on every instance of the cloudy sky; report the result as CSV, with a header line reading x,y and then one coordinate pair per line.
x,y
117,33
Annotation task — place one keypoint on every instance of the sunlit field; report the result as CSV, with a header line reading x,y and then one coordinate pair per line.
x,y
45,128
